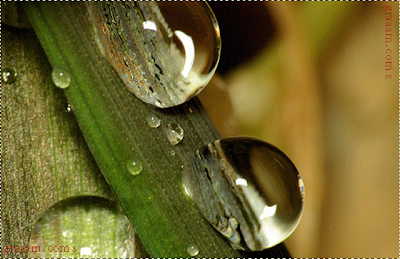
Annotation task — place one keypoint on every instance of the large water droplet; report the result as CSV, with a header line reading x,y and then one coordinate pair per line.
x,y
165,53
9,75
192,250
84,226
174,133
248,190
61,78
153,121
134,167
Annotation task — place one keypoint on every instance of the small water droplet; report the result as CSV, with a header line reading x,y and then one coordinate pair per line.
x,y
248,190
69,108
134,167
61,78
174,133
153,121
192,250
182,56
9,75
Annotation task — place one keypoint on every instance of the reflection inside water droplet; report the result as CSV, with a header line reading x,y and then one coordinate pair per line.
x,y
61,77
192,250
9,75
248,190
194,45
177,59
72,229
174,133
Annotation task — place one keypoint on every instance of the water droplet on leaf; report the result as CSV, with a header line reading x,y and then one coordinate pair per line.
x,y
69,108
61,78
249,190
192,250
174,133
9,75
179,47
153,121
71,229
134,167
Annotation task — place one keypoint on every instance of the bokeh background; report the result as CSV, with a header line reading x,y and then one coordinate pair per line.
x,y
311,78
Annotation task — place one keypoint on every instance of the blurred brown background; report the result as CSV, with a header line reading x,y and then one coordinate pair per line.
x,y
310,77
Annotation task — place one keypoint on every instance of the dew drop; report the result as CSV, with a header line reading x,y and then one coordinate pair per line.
x,y
153,121
174,133
181,56
69,108
9,75
134,167
61,78
192,250
249,190
86,227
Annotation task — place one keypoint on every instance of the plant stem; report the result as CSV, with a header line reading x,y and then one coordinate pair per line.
x,y
113,122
